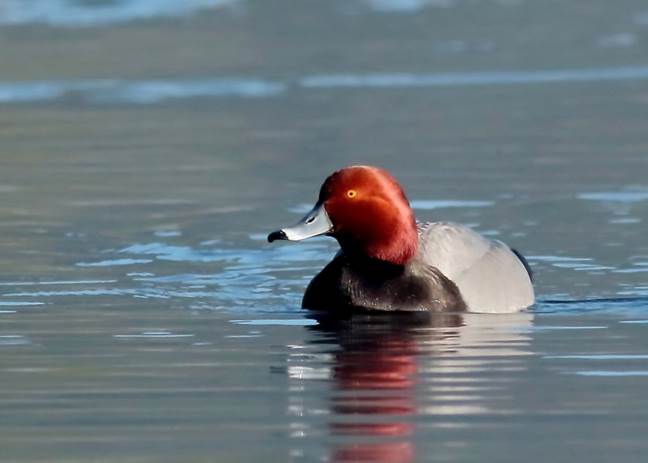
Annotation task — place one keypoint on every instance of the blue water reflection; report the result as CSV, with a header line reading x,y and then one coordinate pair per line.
x,y
147,92
87,13
115,91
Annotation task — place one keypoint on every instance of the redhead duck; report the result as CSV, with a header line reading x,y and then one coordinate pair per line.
x,y
389,262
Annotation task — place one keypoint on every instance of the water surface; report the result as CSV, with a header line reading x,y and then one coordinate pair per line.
x,y
146,150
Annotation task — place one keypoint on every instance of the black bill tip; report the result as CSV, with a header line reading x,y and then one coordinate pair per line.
x,y
277,235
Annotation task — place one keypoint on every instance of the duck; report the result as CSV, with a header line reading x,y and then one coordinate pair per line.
x,y
389,262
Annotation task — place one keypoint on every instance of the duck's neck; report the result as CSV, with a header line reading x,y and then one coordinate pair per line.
x,y
392,246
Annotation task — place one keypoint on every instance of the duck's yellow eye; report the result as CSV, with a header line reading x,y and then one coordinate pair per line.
x,y
351,194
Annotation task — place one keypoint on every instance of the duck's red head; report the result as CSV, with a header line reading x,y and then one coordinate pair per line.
x,y
366,211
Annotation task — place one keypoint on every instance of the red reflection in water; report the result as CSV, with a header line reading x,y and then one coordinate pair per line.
x,y
375,375
390,452
385,365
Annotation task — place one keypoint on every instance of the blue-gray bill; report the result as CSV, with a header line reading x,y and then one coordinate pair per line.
x,y
315,223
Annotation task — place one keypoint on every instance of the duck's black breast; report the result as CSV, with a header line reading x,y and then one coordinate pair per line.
x,y
347,284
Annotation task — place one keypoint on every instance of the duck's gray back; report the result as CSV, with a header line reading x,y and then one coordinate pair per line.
x,y
489,275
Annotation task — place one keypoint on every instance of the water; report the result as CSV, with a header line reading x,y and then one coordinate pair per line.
x,y
89,13
147,148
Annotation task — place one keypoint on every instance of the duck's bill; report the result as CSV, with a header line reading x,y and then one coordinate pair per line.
x,y
315,223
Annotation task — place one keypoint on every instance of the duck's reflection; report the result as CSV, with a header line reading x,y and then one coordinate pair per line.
x,y
374,373
385,370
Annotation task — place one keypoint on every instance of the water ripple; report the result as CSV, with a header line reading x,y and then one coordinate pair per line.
x,y
407,6
573,263
85,14
153,335
245,258
611,373
115,91
629,306
627,197
244,278
19,303
56,282
114,262
599,357
13,340
458,79
277,322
